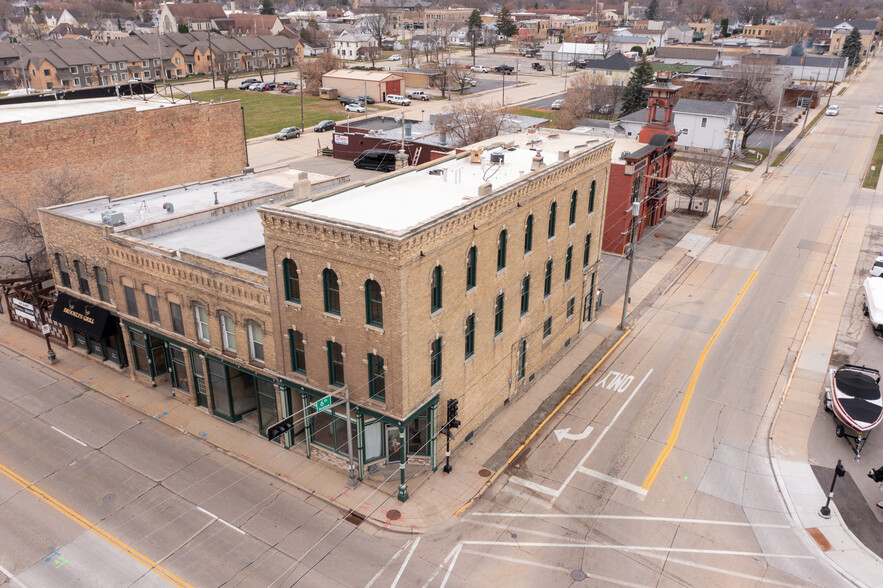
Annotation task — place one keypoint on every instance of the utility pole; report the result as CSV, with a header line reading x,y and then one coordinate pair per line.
x,y
808,104
211,56
731,136
349,437
300,68
836,72
769,155
633,239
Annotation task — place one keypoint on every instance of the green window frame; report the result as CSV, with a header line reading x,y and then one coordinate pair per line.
x,y
553,212
331,290
335,363
547,282
568,260
525,294
573,198
522,358
498,314
376,378
501,250
528,234
471,267
547,328
435,289
592,197
298,351
373,303
435,361
292,281
470,336
587,250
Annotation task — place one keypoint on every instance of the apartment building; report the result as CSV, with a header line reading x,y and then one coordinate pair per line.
x,y
459,279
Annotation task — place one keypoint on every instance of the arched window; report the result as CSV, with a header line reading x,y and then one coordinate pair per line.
x,y
568,259
435,361
501,250
525,294
292,281
373,304
592,198
228,332
587,250
332,291
435,289
498,314
255,342
547,282
572,208
528,234
470,335
298,352
471,269
552,212
335,363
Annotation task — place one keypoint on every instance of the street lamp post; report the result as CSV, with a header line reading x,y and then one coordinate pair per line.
x,y
839,472
38,315
731,135
633,241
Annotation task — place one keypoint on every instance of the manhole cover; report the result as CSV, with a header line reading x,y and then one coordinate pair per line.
x,y
110,497
393,515
578,575
484,473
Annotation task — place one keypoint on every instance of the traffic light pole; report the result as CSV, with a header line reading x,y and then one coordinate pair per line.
x,y
447,469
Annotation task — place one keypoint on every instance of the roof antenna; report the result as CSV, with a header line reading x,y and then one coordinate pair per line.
x,y
216,199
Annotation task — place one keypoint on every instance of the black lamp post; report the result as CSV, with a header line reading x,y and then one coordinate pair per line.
x,y
839,472
38,315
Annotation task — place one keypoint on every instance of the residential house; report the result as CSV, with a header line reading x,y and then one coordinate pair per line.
x,y
196,17
702,31
829,34
700,124
680,34
615,69
251,25
352,46
314,50
427,43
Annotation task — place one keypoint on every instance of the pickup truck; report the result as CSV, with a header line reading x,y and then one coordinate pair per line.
x,y
504,69
419,95
538,66
480,69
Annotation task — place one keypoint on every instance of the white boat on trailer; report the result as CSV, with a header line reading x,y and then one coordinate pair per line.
x,y
854,398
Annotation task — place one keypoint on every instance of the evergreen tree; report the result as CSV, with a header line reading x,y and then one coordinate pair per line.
x,y
506,24
473,34
652,11
267,7
852,47
725,27
634,98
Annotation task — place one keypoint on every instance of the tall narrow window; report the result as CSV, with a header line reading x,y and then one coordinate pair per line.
x,y
332,291
435,289
376,378
572,218
82,278
547,282
471,269
255,342
298,352
570,305
152,308
547,328
592,198
228,332
63,271
101,281
131,302
202,331
587,250
177,319
470,335
525,294
522,358
568,260
501,250
498,315
553,210
335,363
435,361
292,280
528,234
373,304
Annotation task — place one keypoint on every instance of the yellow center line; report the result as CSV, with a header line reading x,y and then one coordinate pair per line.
x,y
152,565
676,429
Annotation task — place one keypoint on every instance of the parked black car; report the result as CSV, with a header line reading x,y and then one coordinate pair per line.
x,y
344,100
538,66
325,125
365,99
504,69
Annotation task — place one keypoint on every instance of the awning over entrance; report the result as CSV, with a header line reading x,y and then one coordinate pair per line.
x,y
80,315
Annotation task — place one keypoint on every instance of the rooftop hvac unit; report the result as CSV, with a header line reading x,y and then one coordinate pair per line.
x,y
497,158
113,218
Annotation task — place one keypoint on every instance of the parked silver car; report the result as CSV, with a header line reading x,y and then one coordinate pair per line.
x,y
288,133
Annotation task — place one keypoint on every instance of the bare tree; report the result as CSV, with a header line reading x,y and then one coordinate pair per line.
x,y
377,26
471,122
491,39
314,69
696,10
791,33
587,95
605,42
441,78
460,76
227,66
751,11
755,94
698,174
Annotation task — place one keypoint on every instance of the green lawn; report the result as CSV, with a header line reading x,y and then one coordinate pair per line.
x,y
874,167
780,158
266,113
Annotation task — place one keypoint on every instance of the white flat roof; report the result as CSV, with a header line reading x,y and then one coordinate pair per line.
x,y
36,112
411,199
230,234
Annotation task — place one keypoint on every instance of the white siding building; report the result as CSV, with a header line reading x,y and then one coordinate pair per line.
x,y
701,124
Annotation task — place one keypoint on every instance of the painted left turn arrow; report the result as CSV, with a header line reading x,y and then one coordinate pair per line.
x,y
565,434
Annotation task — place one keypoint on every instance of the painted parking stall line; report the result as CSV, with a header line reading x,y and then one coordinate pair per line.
x,y
71,437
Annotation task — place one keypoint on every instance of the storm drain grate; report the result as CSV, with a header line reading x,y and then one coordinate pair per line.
x,y
484,473
354,518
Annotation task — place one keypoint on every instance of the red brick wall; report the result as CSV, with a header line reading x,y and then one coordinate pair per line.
x,y
124,151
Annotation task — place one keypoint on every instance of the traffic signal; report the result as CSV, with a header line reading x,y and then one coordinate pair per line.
x,y
453,408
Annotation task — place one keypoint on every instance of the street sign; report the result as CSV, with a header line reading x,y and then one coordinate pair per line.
x,y
323,404
279,428
24,310
46,329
